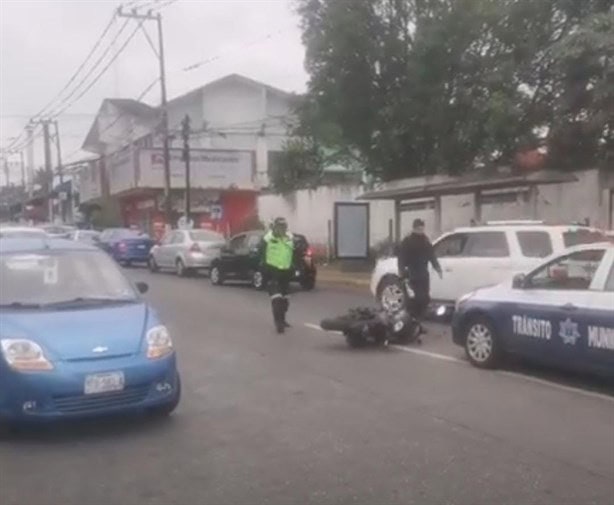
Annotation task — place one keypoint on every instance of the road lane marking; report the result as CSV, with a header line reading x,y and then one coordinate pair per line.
x,y
317,327
434,355
507,373
555,385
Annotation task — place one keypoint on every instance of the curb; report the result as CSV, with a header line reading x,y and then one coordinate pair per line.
x,y
343,281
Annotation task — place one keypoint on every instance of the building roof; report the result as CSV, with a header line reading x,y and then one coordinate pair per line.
x,y
232,78
134,107
127,107
481,180
147,113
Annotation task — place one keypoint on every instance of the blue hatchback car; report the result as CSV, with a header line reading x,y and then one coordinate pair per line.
x,y
76,338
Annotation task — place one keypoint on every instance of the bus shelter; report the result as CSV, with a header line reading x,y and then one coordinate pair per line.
x,y
476,184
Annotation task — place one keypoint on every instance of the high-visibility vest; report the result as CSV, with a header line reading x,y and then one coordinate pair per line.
x,y
279,250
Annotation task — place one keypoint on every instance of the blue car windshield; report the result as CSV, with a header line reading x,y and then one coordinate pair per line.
x,y
40,278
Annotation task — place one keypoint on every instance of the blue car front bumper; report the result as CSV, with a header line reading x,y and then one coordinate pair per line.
x,y
59,394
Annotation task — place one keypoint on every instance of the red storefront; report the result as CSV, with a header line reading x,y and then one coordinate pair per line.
x,y
223,195
225,211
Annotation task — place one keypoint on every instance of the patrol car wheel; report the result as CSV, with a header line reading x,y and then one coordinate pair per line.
x,y
481,344
390,294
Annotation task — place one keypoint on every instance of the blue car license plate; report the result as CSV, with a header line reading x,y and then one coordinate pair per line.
x,y
104,383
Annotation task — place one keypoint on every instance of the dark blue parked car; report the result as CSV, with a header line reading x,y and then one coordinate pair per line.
x,y
76,338
126,246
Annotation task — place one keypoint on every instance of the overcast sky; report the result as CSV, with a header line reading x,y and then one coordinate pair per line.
x,y
43,42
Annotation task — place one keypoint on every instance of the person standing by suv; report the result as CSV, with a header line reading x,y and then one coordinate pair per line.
x,y
414,255
276,256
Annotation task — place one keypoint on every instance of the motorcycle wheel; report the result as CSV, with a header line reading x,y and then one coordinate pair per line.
x,y
409,334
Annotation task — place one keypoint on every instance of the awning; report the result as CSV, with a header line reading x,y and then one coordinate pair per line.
x,y
471,183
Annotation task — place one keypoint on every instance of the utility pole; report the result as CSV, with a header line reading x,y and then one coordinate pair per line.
x,y
23,170
30,158
48,167
7,172
185,134
60,170
168,208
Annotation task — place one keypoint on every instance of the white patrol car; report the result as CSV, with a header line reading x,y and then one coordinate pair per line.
x,y
560,312
479,256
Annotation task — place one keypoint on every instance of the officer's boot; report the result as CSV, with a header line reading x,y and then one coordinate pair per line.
x,y
285,306
277,304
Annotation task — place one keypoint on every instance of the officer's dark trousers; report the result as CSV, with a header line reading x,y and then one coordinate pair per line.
x,y
279,281
421,286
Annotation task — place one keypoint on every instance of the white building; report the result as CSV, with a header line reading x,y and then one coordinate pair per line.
x,y
236,124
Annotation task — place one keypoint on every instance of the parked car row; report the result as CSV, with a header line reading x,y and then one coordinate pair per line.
x,y
187,252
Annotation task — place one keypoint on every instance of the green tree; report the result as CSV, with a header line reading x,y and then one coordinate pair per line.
x,y
422,86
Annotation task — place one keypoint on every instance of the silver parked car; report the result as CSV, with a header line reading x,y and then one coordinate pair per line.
x,y
87,236
186,251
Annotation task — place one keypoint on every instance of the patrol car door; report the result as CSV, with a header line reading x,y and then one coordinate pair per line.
x,y
597,318
547,315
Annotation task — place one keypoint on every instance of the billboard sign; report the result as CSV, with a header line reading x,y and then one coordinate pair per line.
x,y
351,230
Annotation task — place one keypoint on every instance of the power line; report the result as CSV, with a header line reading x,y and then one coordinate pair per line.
x,y
91,71
101,73
83,64
211,59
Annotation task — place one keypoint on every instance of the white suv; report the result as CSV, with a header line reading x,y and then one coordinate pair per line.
x,y
480,256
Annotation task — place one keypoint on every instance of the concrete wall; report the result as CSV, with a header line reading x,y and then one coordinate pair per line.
x,y
308,211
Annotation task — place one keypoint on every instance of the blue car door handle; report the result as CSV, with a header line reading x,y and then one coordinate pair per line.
x,y
569,306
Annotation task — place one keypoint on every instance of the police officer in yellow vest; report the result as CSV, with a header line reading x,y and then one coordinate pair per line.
x,y
277,254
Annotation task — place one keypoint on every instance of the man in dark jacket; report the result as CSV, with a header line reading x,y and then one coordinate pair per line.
x,y
415,254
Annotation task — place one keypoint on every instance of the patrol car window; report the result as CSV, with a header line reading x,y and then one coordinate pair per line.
x,y
582,236
487,244
535,244
451,246
571,272
609,283
178,238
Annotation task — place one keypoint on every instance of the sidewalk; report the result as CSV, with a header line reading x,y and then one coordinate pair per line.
x,y
331,274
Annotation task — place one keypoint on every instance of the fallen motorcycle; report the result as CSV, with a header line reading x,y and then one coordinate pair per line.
x,y
362,326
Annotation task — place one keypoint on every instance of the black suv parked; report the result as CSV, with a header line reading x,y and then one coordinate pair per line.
x,y
239,261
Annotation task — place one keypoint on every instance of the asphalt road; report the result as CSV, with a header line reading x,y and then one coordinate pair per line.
x,y
300,418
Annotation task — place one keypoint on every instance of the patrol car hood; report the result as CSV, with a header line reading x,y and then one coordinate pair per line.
x,y
485,291
97,332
